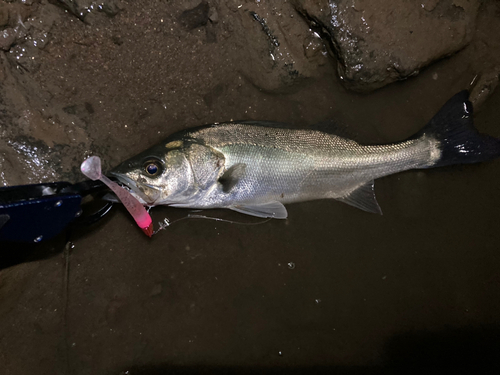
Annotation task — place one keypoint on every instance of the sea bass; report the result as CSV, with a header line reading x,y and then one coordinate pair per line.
x,y
255,168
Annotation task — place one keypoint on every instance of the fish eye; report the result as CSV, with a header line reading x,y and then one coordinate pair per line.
x,y
152,168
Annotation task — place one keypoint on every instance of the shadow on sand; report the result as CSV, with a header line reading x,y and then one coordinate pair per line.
x,y
448,351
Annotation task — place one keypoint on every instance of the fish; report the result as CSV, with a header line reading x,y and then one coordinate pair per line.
x,y
255,168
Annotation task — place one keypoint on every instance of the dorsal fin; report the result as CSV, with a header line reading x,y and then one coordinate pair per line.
x,y
326,126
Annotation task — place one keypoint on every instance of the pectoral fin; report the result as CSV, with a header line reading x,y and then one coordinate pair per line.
x,y
274,210
363,198
231,177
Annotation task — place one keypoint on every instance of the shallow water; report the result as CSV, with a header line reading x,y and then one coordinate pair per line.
x,y
330,288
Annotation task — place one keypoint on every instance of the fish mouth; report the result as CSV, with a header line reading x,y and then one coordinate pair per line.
x,y
134,189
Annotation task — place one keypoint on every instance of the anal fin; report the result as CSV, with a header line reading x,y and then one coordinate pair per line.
x,y
363,198
273,209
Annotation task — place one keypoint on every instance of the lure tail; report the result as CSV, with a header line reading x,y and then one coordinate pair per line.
x,y
459,141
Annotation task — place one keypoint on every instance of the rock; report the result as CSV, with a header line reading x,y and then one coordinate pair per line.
x,y
18,13
484,86
110,8
314,49
82,8
38,142
381,41
12,17
31,36
482,52
273,44
7,38
213,16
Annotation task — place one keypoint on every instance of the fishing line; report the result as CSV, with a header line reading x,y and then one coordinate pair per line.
x,y
66,256
166,223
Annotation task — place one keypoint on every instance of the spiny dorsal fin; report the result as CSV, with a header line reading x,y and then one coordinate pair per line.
x,y
327,126
363,198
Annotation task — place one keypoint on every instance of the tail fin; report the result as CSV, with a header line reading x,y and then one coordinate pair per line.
x,y
459,141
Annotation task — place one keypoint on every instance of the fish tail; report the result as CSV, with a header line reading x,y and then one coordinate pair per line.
x,y
459,141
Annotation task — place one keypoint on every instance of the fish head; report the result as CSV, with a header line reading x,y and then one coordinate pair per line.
x,y
170,173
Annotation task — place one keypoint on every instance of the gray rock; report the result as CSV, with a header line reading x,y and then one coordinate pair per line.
x,y
381,41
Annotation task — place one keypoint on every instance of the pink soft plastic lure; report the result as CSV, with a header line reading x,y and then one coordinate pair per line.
x,y
92,169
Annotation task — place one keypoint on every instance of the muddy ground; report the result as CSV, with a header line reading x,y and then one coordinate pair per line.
x,y
331,288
